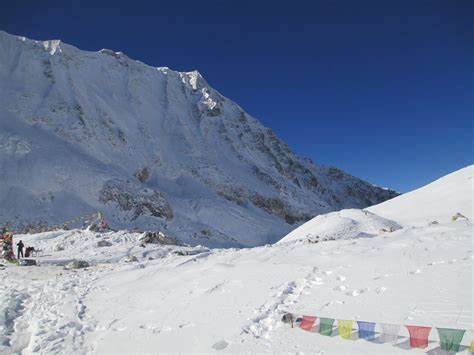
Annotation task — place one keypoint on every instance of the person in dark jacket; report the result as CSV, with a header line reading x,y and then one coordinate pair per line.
x,y
20,246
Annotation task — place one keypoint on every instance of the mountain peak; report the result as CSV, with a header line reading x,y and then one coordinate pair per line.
x,y
52,46
195,79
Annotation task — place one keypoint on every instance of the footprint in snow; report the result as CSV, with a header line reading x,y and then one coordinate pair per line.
x,y
186,325
356,293
341,278
118,329
341,288
328,272
149,327
332,302
381,290
414,272
317,281
220,345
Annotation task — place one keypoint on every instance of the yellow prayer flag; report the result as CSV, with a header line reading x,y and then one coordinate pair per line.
x,y
471,348
345,328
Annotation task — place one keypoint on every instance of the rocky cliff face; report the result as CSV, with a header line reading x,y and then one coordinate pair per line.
x,y
151,148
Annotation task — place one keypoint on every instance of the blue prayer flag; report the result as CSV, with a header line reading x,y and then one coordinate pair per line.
x,y
366,330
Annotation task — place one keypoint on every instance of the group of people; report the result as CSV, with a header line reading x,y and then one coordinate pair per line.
x,y
6,238
28,250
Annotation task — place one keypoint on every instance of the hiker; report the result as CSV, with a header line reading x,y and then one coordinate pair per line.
x,y
29,251
20,246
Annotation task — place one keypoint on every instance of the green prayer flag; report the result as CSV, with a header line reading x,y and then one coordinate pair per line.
x,y
325,326
450,339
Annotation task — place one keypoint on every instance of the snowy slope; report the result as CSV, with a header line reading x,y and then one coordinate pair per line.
x,y
192,299
435,202
151,148
438,201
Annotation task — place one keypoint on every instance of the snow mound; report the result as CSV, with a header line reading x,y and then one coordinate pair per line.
x,y
438,201
345,224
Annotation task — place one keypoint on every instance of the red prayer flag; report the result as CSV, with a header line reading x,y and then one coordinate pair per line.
x,y
418,336
307,322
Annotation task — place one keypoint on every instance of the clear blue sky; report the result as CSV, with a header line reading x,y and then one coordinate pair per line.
x,y
382,89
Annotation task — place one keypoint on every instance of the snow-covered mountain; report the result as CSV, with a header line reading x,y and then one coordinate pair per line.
x,y
151,148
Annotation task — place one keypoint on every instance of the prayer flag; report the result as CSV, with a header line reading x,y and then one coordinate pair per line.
x,y
325,326
389,333
418,336
345,328
471,348
367,330
307,323
450,339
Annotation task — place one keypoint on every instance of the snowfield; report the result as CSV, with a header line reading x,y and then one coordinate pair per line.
x,y
195,299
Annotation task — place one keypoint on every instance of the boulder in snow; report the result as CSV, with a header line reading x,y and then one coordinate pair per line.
x,y
77,264
130,259
59,247
459,217
157,238
28,262
103,243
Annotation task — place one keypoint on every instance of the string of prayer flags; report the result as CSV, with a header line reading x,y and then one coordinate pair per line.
x,y
325,326
345,328
418,336
450,339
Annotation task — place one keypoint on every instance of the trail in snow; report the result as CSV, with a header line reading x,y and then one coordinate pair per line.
x,y
50,316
